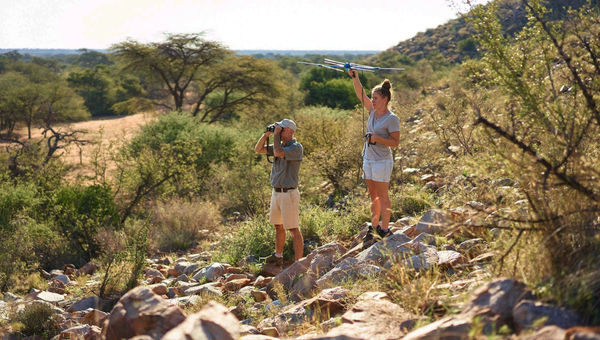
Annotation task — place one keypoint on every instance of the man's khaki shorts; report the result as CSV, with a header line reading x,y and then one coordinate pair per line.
x,y
285,208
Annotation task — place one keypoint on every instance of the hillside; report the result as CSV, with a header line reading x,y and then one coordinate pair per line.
x,y
453,39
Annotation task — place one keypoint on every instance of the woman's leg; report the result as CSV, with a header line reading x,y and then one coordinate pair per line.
x,y
384,202
375,202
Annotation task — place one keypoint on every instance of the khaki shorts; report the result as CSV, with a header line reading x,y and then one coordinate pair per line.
x,y
378,171
285,208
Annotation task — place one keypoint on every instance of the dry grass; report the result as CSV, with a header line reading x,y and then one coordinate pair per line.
x,y
101,133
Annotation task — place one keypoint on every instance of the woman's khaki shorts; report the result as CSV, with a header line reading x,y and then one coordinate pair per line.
x,y
285,208
379,171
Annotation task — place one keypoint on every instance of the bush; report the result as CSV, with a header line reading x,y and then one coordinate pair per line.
x,y
80,212
177,224
17,200
332,144
255,237
38,319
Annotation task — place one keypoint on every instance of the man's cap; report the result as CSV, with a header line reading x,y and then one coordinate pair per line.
x,y
287,123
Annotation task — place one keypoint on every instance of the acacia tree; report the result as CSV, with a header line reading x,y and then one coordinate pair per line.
x,y
174,63
234,83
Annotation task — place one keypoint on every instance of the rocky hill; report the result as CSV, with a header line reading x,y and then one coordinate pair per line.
x,y
453,39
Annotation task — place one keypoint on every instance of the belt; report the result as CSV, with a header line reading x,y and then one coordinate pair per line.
x,y
283,189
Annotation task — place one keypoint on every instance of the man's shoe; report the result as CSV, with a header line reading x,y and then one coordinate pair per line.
x,y
383,233
272,259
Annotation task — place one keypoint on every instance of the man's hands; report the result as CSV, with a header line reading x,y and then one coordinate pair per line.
x,y
278,129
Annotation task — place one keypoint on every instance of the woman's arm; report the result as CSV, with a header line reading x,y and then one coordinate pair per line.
x,y
393,141
360,92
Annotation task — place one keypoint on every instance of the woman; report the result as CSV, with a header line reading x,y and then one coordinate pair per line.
x,y
383,133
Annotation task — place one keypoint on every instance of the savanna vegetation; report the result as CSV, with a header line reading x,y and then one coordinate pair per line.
x,y
512,124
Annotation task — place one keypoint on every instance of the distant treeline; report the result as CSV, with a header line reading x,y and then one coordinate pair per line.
x,y
42,52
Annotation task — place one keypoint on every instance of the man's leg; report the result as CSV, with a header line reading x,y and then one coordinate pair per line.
x,y
298,243
279,239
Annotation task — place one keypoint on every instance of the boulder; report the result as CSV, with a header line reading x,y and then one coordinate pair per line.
x,y
166,260
347,269
210,273
449,258
453,327
261,282
372,317
57,287
214,321
472,246
498,298
235,285
159,288
49,297
180,267
235,277
392,246
547,333
205,289
433,222
69,269
270,269
234,270
529,314
154,273
425,238
259,296
300,278
183,278
94,318
141,312
63,278
321,307
422,261
85,332
583,333
85,303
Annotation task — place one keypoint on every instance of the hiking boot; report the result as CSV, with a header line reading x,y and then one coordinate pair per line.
x,y
272,259
368,239
383,234
369,235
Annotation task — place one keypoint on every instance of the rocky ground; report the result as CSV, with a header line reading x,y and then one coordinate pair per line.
x,y
318,301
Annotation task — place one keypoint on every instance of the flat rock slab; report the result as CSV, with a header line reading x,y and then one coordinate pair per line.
x,y
85,303
372,317
50,297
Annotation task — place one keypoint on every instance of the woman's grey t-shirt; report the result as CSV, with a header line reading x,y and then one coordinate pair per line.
x,y
381,126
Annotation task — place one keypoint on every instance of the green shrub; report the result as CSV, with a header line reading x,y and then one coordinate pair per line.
x,y
15,200
332,144
37,319
177,223
80,211
255,237
408,205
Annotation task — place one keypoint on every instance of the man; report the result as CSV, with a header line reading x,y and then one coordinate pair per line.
x,y
285,197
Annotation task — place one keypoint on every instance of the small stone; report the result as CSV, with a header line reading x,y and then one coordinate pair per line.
x,y
270,331
259,296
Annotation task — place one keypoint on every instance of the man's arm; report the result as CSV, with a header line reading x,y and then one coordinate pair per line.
x,y
277,150
260,146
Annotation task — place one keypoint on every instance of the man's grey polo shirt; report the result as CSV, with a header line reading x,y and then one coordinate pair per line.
x,y
284,173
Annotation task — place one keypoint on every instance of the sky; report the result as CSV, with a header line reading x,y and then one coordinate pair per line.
x,y
238,24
